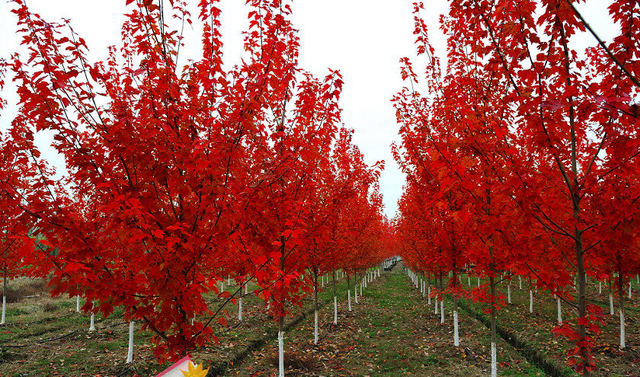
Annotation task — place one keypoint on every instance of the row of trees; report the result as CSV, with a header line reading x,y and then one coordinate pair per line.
x,y
179,176
523,158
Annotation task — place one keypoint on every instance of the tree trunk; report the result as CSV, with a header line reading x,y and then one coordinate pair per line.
x,y
335,301
456,336
349,291
520,282
315,305
559,311
355,285
281,315
611,309
621,303
4,298
494,359
455,281
281,347
130,351
576,196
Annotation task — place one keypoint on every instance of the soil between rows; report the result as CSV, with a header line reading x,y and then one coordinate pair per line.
x,y
392,331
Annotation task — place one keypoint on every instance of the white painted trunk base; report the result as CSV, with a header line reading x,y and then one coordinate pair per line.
x,y
442,311
622,331
335,310
494,361
92,322
559,311
240,309
509,293
315,327
435,311
349,299
530,301
355,289
130,352
429,296
280,354
629,290
456,337
77,304
611,311
4,310
599,287
520,281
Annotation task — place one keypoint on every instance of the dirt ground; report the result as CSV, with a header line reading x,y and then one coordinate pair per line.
x,y
391,331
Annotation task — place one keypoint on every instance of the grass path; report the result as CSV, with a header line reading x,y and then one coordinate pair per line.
x,y
391,332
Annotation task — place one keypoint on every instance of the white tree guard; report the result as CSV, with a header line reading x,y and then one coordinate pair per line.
x,y
494,360
520,281
623,343
315,326
559,311
280,354
611,310
130,351
456,336
4,310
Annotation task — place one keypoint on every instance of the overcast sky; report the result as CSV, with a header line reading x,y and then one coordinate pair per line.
x,y
364,39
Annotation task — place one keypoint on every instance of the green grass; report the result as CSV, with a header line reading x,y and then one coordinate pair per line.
x,y
392,331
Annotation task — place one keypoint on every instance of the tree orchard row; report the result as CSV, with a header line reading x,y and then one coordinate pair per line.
x,y
523,157
180,173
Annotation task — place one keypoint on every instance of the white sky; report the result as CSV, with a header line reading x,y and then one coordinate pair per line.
x,y
364,39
